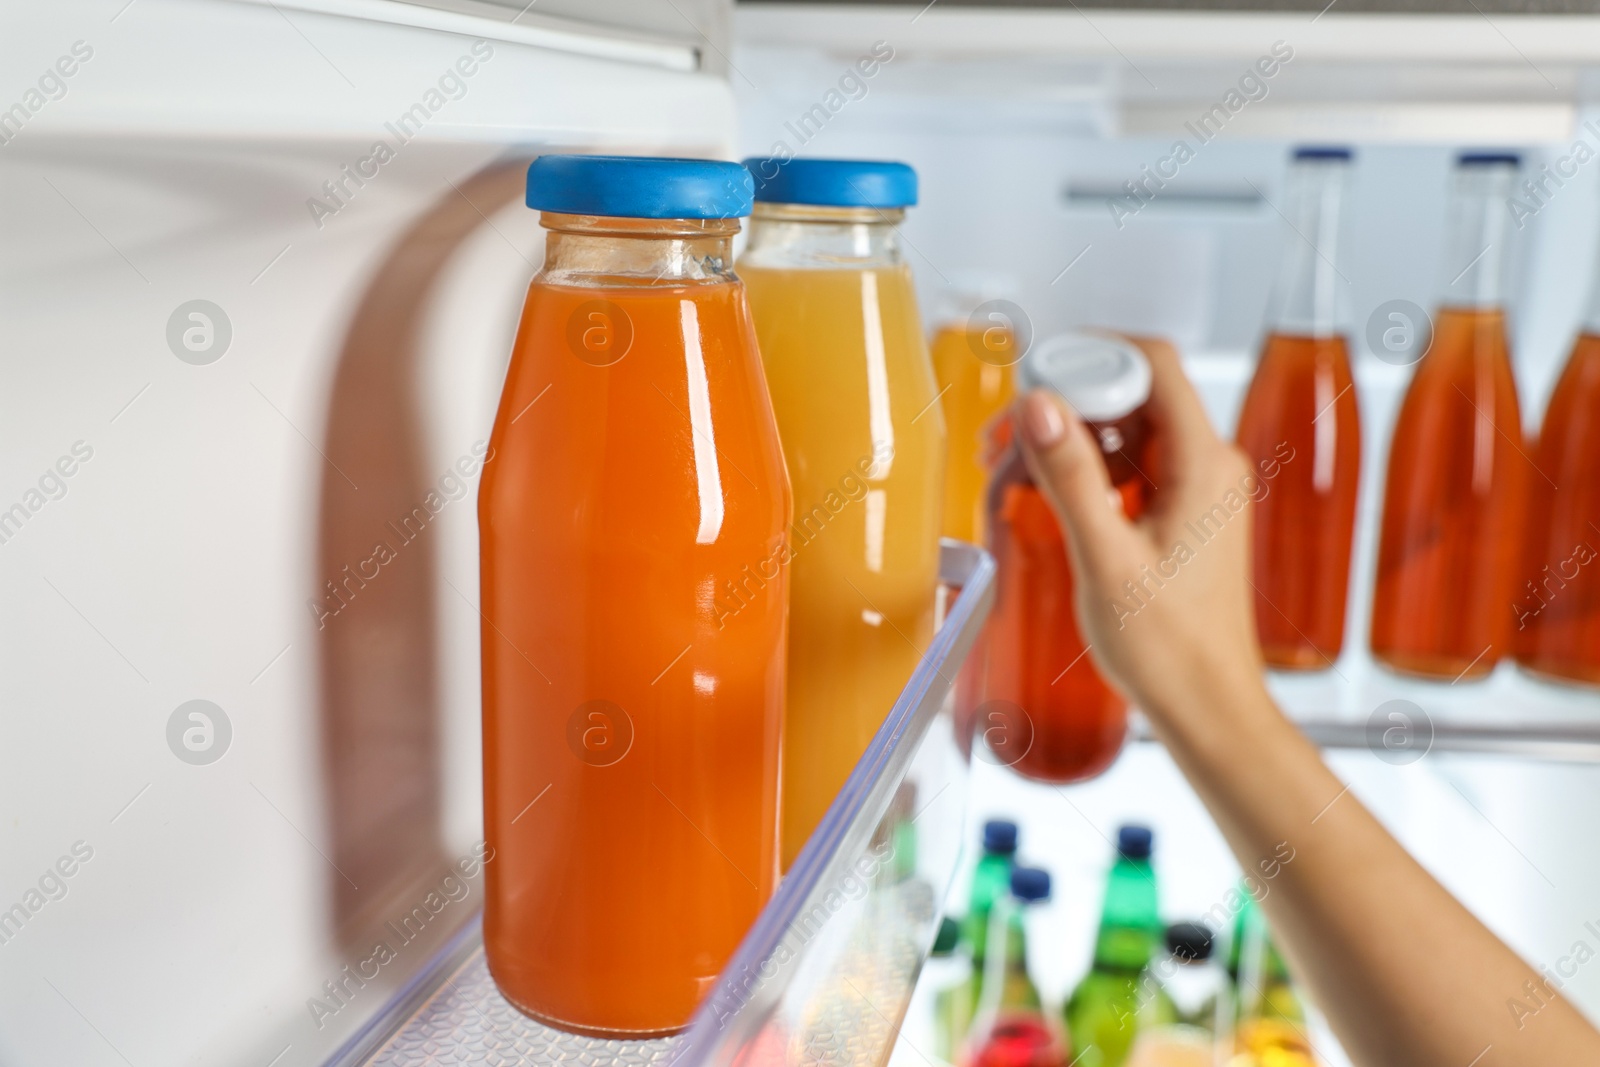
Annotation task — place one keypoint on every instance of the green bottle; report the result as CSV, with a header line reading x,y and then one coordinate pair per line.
x,y
1102,1013
991,880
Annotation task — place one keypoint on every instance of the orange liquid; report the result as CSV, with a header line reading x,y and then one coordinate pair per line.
x,y
975,384
1449,550
1302,403
634,840
1047,712
1558,608
844,352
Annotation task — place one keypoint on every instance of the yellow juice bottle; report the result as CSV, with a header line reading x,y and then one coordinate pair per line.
x,y
974,348
853,390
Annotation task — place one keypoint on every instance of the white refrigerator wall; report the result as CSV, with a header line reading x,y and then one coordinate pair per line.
x,y
242,347
1017,155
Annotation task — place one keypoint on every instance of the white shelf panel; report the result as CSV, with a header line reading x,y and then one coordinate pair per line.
x,y
225,69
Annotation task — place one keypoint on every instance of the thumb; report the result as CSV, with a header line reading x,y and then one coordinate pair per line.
x,y
1068,468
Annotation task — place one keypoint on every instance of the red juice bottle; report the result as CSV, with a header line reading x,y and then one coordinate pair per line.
x,y
1449,550
1302,402
1047,712
1557,611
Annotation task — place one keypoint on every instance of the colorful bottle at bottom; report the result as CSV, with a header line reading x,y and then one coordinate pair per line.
x,y
1011,1028
1103,1011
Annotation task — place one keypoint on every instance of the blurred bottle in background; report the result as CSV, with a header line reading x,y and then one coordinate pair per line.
x,y
1182,996
991,880
1300,422
1011,1028
1558,601
1449,550
1042,696
1270,1021
1102,1012
974,346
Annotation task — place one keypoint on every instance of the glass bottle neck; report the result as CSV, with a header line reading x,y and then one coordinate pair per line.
x,y
589,250
802,236
1307,298
1479,240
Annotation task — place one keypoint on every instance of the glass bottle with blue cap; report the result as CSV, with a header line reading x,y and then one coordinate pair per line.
x,y
632,705
857,407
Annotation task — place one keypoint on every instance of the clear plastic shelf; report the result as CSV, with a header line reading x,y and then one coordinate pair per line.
x,y
826,972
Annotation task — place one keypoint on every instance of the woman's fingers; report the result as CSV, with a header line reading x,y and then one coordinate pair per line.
x,y
1068,468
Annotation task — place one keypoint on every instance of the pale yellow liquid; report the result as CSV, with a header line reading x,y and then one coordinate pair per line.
x,y
974,373
854,394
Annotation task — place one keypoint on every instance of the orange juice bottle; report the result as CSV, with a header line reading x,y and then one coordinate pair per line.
x,y
975,346
631,712
1449,546
1558,603
1302,404
864,438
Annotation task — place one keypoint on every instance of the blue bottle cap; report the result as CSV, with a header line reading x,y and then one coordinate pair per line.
x,y
833,182
1134,841
1488,159
1331,152
1030,884
1000,835
639,187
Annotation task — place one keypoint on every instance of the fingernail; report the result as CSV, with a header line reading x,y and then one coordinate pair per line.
x,y
1041,420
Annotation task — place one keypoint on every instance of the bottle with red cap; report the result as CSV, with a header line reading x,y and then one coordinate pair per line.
x,y
1046,710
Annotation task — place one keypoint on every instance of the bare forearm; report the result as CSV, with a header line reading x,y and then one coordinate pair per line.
x,y
1404,973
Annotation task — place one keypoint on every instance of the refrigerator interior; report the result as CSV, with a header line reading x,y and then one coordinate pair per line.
x,y
1024,126
217,158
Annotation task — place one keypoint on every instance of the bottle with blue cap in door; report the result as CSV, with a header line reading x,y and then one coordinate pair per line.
x,y
857,408
1103,1011
1301,427
1011,1028
631,716
1045,710
1449,549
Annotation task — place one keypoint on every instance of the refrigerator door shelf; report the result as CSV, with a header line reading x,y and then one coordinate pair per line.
x,y
831,963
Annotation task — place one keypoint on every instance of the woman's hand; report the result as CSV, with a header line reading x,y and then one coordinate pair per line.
x,y
1404,973
1165,601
